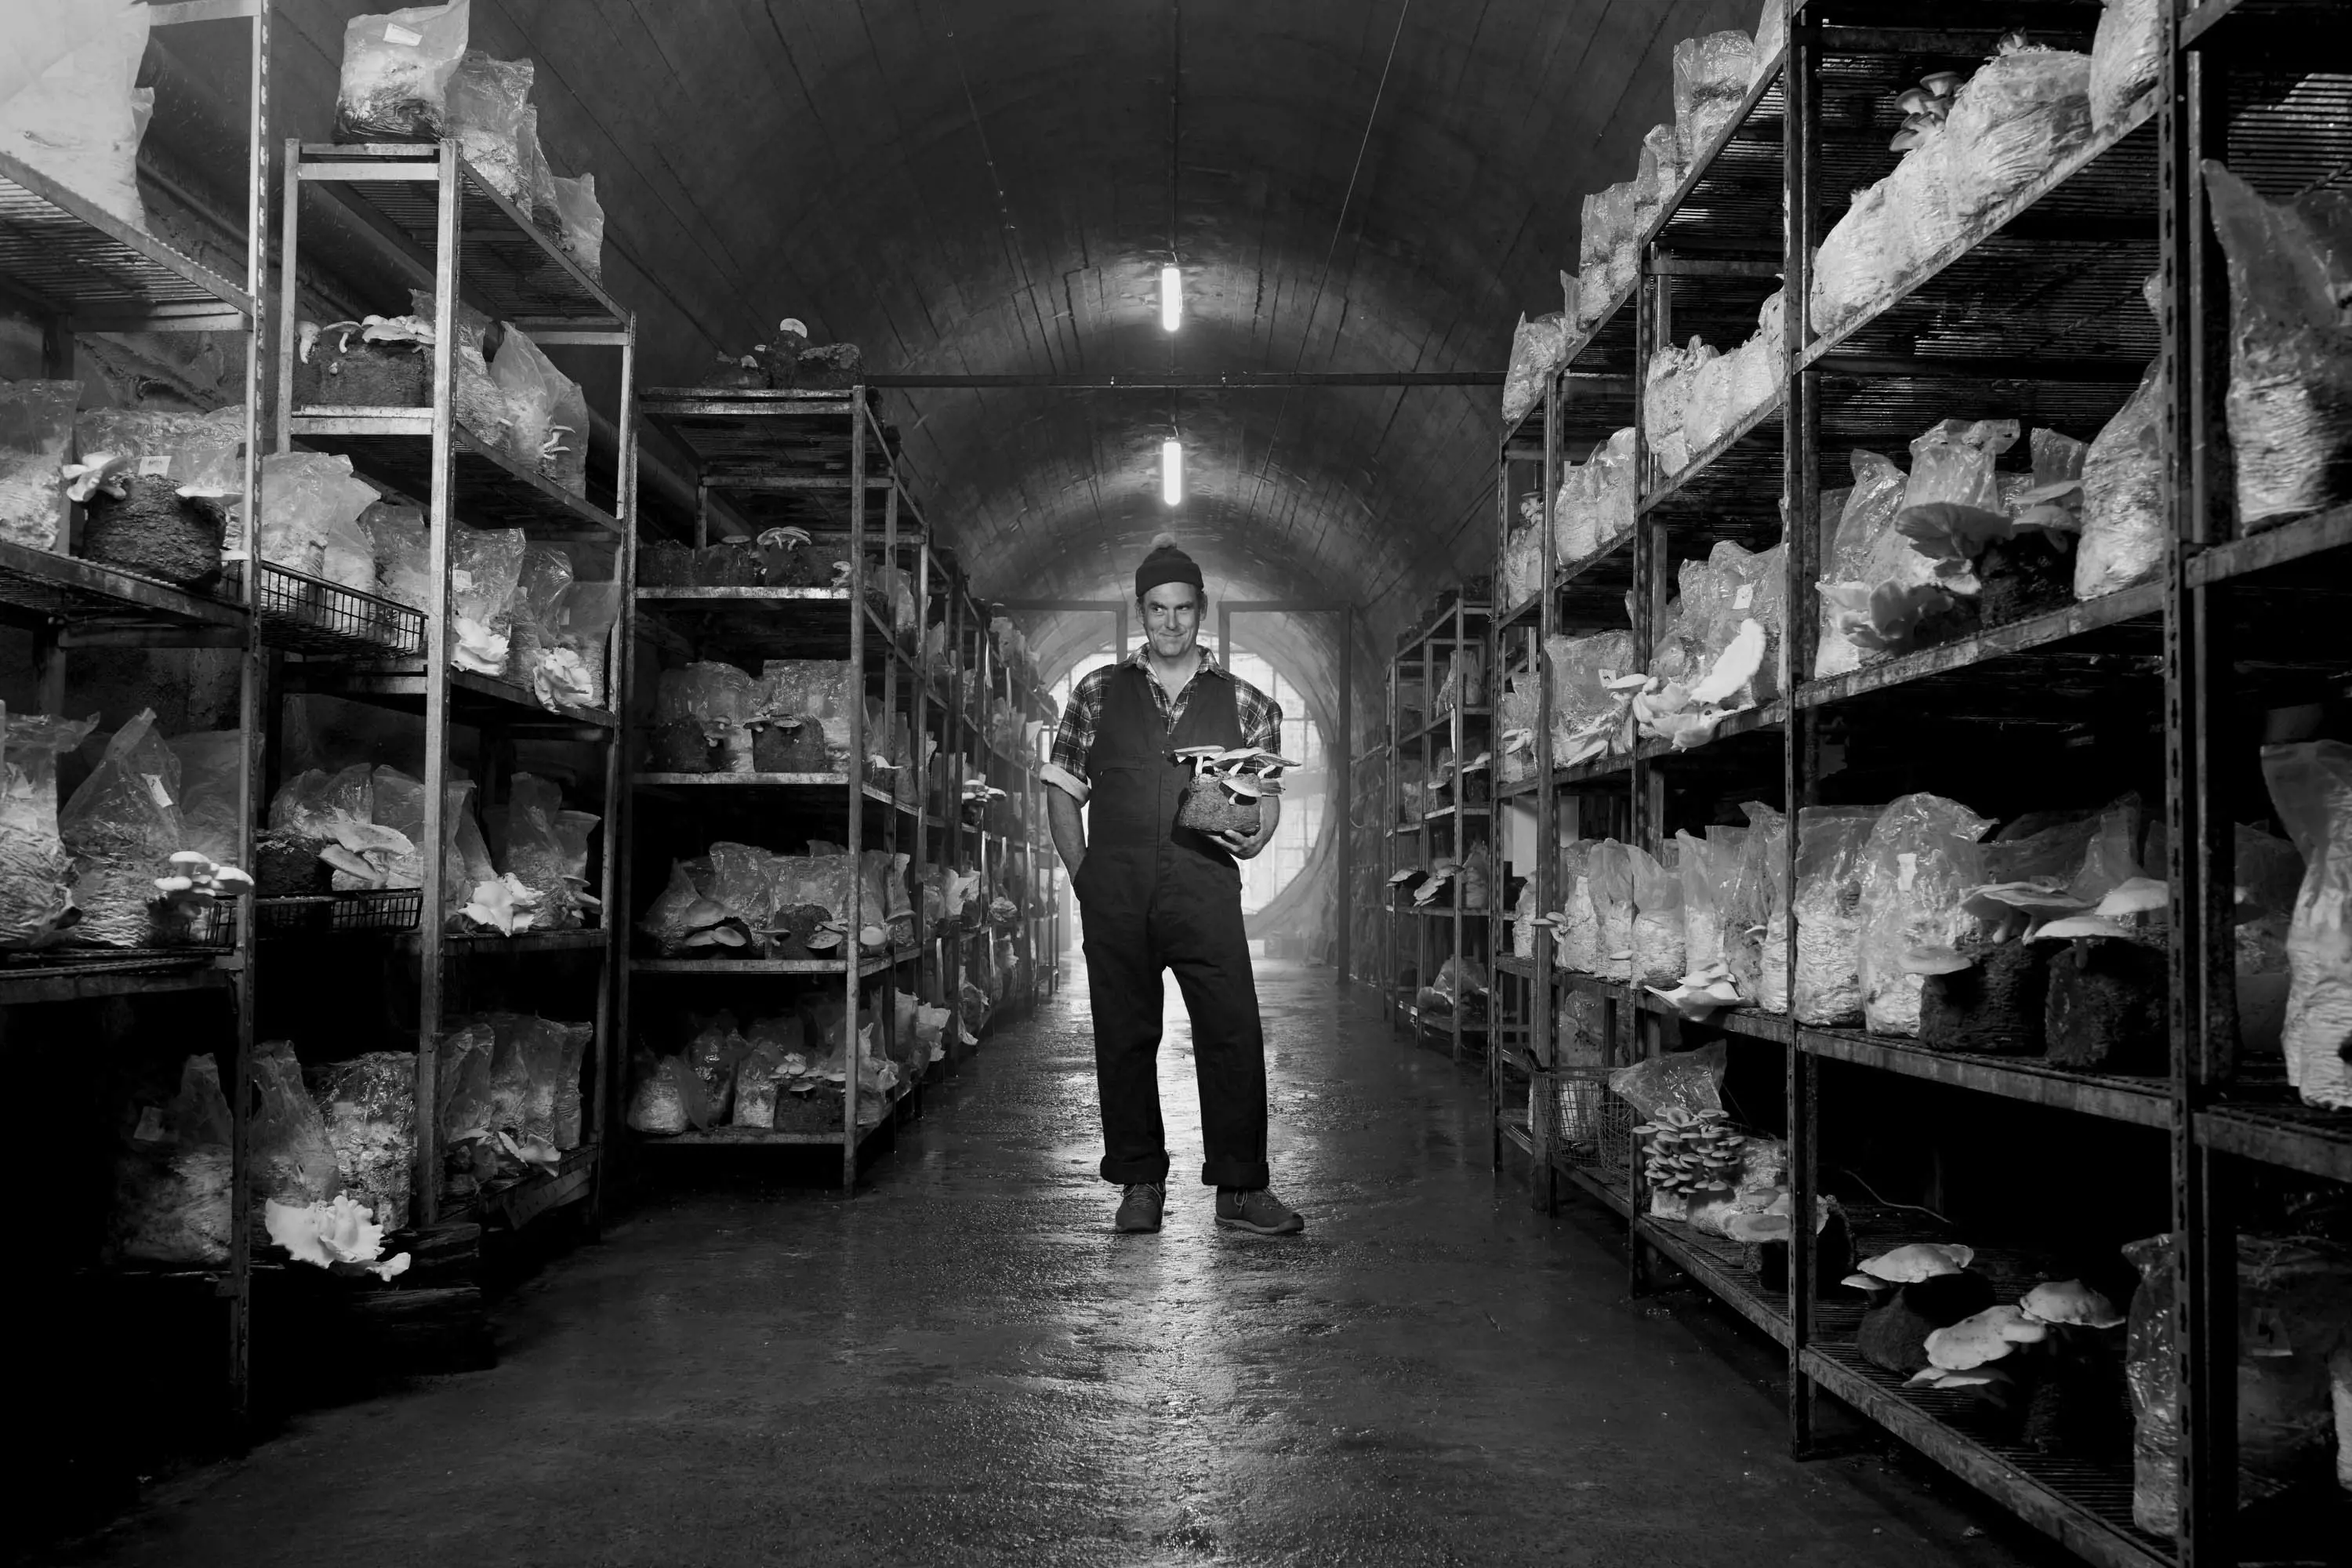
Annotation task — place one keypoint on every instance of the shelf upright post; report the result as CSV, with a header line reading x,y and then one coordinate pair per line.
x,y
918,732
1391,804
852,940
2194,323
1542,990
886,1017
615,885
441,520
1460,825
251,692
1801,472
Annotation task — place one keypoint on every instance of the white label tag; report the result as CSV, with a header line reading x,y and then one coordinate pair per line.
x,y
155,790
1907,870
1746,596
160,465
393,33
150,1124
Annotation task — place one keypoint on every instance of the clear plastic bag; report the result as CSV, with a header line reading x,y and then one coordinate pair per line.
x,y
1609,882
81,119
549,419
1886,236
2014,122
123,826
535,627
2127,58
1612,482
537,855
403,553
481,405
397,67
1687,1081
1710,82
485,574
2290,400
1866,553
717,698
1756,936
1624,237
36,872
210,763
369,1107
1537,348
1585,714
664,1096
2126,519
293,1162
1772,38
1920,861
1660,172
1828,913
171,1176
582,222
2311,788
1578,948
1665,399
37,431
1953,461
487,99
310,511
1659,952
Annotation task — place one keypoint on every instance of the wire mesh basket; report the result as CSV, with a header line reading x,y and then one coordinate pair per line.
x,y
311,615
338,915
1587,1124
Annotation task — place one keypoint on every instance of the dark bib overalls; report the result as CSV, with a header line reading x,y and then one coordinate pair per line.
x,y
1155,895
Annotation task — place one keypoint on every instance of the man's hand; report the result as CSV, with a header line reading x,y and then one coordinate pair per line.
x,y
1247,846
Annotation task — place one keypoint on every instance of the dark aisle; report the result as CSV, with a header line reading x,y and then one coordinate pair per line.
x,y
965,1366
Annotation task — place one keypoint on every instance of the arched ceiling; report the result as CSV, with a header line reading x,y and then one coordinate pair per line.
x,y
992,186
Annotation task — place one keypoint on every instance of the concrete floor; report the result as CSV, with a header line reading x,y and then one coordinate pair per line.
x,y
965,1366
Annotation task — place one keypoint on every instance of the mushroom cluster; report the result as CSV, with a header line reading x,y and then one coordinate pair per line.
x,y
1925,108
2051,1358
1690,1153
2009,987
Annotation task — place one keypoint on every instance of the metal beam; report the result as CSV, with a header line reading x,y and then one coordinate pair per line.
x,y
1180,380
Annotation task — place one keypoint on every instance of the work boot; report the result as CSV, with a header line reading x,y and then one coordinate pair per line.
x,y
1139,1207
1258,1211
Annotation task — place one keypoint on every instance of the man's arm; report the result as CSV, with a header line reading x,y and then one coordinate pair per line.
x,y
1069,828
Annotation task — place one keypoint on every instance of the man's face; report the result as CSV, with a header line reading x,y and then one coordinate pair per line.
x,y
1171,618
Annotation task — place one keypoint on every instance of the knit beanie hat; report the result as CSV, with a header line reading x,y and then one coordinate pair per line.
x,y
1167,564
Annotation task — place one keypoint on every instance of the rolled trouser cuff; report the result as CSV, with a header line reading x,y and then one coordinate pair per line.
x,y
1240,1174
1123,1172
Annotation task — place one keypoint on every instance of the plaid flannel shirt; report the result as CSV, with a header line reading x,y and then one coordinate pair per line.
x,y
1260,716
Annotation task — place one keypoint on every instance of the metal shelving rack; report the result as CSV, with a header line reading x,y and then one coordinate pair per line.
x,y
481,251
2035,314
1432,933
818,460
81,269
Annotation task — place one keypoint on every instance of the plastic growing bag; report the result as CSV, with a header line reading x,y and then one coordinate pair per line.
x,y
2125,521
485,574
482,406
311,514
582,222
1537,348
123,826
171,1176
486,100
1609,879
1828,913
36,873
81,120
1953,462
2290,400
37,431
536,855
1756,936
1711,82
2311,787
1658,946
1920,861
1865,543
404,559
397,69
1687,1081
2014,122
1578,947
209,764
2127,58
293,1162
549,427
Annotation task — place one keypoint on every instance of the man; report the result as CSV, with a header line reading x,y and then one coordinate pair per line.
x,y
1155,895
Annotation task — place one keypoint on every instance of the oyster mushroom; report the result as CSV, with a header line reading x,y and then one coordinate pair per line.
x,y
1987,1336
1919,1260
2069,1304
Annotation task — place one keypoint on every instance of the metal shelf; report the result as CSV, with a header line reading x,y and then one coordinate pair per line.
x,y
39,587
320,619
867,967
58,979
2263,557
506,265
490,489
478,698
69,258
2077,653
2280,1131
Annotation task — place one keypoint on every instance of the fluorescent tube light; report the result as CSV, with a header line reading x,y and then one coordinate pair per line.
x,y
1171,298
1172,472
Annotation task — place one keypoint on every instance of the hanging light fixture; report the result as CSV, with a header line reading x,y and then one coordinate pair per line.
x,y
1171,297
1172,472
